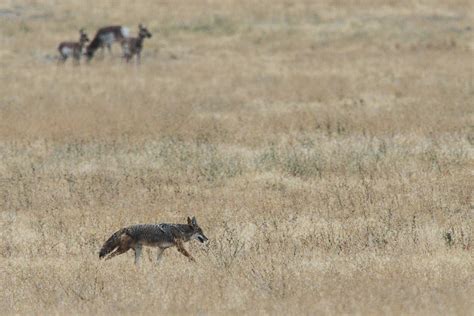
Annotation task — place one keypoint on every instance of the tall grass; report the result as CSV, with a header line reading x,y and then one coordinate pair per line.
x,y
325,149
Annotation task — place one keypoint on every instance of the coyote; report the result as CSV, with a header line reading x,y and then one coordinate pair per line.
x,y
161,236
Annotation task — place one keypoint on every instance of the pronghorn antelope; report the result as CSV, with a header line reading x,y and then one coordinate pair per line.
x,y
133,45
105,37
72,49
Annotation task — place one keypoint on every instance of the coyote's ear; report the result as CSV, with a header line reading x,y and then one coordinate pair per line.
x,y
190,222
193,221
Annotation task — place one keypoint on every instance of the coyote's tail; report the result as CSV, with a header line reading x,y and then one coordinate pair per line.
x,y
111,243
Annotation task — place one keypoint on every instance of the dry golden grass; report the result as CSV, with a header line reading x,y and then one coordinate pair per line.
x,y
326,149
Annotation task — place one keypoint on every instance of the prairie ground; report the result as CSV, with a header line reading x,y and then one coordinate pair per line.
x,y
325,147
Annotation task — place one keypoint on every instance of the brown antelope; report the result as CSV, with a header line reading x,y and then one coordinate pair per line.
x,y
72,49
105,37
133,45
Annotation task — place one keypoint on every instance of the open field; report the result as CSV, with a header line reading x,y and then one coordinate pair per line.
x,y
326,150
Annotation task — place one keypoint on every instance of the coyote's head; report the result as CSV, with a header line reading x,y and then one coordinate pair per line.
x,y
197,231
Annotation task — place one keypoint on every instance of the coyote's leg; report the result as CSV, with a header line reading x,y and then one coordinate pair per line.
x,y
138,253
180,246
159,255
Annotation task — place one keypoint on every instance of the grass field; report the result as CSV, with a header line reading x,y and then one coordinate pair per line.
x,y
325,147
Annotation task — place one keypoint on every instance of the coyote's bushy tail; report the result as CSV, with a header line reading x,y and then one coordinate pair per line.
x,y
111,243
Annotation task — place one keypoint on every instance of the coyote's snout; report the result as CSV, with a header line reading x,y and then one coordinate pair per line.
x,y
161,236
